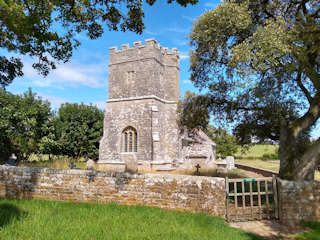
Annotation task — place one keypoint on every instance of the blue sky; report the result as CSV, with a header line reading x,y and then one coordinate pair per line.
x,y
85,77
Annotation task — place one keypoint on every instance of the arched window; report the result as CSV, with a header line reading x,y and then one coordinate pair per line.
x,y
129,140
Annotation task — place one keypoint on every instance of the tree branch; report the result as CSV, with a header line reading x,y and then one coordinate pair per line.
x,y
303,88
307,120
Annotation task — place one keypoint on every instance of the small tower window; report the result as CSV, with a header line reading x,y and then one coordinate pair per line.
x,y
130,76
129,140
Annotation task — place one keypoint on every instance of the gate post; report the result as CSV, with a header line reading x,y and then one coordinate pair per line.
x,y
275,196
227,198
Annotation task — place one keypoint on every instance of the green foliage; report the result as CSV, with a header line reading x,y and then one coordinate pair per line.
x,y
21,120
79,129
27,126
259,61
192,112
273,156
38,219
29,27
226,144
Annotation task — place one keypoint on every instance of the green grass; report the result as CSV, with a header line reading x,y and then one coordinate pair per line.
x,y
212,172
312,234
254,157
269,165
38,219
62,162
256,151
272,165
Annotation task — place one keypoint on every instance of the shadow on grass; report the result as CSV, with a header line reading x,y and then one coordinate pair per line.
x,y
313,233
9,213
254,237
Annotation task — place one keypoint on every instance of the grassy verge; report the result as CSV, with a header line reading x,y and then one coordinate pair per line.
x,y
313,232
35,219
257,151
254,157
272,165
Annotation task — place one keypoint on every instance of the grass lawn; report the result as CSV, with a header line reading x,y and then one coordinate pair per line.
x,y
38,219
253,157
257,151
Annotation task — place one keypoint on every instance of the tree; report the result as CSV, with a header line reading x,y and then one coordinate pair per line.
x,y
49,144
21,123
30,27
226,144
259,61
80,128
192,111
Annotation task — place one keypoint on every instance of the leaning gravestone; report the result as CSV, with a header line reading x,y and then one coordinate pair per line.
x,y
230,162
131,164
90,164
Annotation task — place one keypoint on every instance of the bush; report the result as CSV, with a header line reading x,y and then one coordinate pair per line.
x,y
270,156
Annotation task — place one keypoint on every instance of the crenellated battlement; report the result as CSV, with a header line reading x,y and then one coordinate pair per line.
x,y
142,70
149,44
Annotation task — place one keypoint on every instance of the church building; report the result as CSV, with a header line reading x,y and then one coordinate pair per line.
x,y
141,118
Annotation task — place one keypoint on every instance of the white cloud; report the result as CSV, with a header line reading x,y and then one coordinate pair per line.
x,y
100,104
187,81
180,42
54,101
211,4
184,55
191,19
176,29
69,74
152,33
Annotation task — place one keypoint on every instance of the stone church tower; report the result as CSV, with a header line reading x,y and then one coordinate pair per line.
x,y
141,118
140,122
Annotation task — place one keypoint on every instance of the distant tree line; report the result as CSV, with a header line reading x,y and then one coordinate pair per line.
x,y
28,125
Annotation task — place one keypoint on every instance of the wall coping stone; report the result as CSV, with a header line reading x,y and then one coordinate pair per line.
x,y
111,174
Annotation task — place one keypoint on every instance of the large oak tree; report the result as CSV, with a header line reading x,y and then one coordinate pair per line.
x,y
47,29
260,62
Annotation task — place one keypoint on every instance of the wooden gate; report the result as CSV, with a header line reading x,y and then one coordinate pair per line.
x,y
251,199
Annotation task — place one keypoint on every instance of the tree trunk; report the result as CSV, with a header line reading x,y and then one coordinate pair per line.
x,y
308,163
294,163
287,155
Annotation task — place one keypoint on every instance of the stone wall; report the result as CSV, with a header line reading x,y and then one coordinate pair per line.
x,y
298,201
186,193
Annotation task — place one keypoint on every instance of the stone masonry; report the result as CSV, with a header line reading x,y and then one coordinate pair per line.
x,y
177,192
299,200
143,97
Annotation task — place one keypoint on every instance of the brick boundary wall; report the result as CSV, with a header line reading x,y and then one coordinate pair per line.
x,y
298,200
177,192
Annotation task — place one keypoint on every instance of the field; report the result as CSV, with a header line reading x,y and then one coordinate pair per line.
x,y
257,152
257,156
38,219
